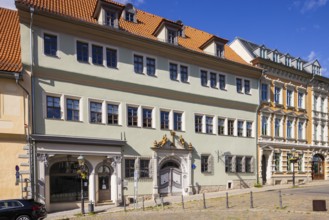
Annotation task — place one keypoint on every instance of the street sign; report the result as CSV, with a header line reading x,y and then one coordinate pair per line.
x,y
17,168
193,166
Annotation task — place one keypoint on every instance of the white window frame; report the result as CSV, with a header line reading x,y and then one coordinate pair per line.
x,y
61,101
80,106
119,112
103,110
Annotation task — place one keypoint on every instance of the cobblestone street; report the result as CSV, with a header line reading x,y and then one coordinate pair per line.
x,y
296,204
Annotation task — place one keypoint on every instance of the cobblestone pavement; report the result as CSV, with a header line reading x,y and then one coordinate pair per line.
x,y
296,204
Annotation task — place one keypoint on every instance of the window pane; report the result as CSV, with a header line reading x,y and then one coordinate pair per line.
x,y
53,107
50,44
97,55
222,82
177,121
173,71
132,116
184,73
138,64
72,108
111,58
164,120
82,52
150,66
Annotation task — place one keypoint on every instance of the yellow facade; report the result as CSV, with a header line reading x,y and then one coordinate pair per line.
x,y
13,131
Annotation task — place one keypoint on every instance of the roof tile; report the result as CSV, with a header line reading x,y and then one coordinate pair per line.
x,y
145,26
10,46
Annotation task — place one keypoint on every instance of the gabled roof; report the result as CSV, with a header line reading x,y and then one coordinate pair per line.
x,y
145,26
213,39
250,47
312,63
10,42
169,23
101,3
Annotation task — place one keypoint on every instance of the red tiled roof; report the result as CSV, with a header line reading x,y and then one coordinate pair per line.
x,y
146,25
10,45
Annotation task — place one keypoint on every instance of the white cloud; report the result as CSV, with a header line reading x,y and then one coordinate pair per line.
x,y
7,4
312,5
311,56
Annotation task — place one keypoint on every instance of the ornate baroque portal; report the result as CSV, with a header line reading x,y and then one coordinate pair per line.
x,y
172,166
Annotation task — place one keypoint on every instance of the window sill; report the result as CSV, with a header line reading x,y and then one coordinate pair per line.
x,y
112,67
55,119
224,89
52,56
278,172
205,86
152,75
148,128
133,126
74,121
176,80
240,92
96,64
291,107
140,73
248,93
97,123
114,125
185,82
179,131
83,62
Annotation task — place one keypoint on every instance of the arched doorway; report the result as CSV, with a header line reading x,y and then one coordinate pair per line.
x,y
264,169
170,178
104,183
65,182
318,167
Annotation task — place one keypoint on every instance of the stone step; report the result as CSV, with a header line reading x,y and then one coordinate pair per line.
x,y
26,147
23,156
24,172
25,164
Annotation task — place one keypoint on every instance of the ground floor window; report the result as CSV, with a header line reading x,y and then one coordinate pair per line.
x,y
65,182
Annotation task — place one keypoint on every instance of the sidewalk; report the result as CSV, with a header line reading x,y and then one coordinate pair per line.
x,y
177,199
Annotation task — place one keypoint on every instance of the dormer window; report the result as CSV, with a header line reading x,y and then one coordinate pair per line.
x,y
214,46
276,57
108,13
169,31
299,65
220,50
130,16
130,13
316,70
110,18
172,37
263,53
288,61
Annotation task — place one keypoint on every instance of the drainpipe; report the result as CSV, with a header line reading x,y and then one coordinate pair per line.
x,y
32,145
17,77
257,120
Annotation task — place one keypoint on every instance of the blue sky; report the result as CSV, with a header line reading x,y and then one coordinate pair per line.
x,y
297,27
